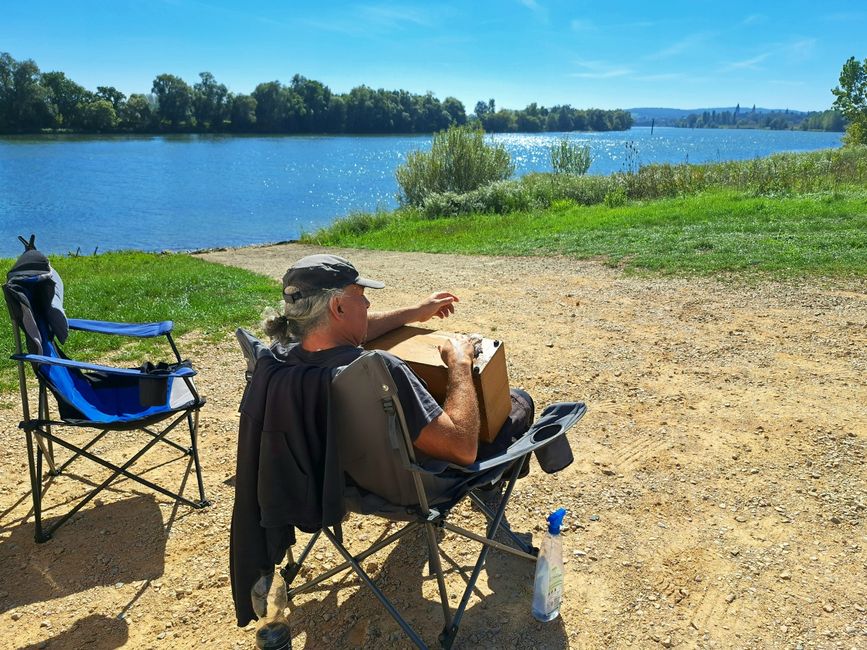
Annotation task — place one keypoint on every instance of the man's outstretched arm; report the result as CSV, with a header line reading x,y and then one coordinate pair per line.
x,y
439,304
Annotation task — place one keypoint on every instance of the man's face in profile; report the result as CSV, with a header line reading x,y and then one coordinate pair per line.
x,y
354,304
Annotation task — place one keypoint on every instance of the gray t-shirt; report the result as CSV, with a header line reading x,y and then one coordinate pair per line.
x,y
419,408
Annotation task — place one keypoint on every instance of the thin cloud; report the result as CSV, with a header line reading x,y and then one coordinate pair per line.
x,y
600,70
792,52
375,20
844,17
662,76
582,26
748,64
754,19
800,50
679,47
538,10
395,16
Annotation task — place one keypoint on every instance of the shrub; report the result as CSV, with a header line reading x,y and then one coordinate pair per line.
x,y
496,198
459,161
570,158
584,190
615,197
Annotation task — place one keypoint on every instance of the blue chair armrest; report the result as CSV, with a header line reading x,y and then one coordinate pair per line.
x,y
139,330
69,363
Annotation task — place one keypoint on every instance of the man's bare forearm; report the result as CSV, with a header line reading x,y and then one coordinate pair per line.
x,y
462,406
439,304
381,322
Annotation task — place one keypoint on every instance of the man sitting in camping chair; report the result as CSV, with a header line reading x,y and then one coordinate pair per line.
x,y
327,428
326,320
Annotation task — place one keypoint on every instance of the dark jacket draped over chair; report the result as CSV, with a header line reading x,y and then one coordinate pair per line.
x,y
288,473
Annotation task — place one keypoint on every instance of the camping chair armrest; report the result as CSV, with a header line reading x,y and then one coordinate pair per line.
x,y
138,330
554,422
127,372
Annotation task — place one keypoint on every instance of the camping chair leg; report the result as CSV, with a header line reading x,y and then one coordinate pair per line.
x,y
77,454
186,451
193,423
290,571
36,491
116,471
123,468
447,638
415,638
437,568
518,552
381,544
48,449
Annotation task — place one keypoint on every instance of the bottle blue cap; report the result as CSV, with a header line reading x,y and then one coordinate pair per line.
x,y
555,520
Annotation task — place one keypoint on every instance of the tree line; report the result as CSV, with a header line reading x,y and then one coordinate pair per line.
x,y
32,101
535,118
830,120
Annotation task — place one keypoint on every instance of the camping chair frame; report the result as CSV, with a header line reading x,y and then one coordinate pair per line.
x,y
428,519
552,423
41,429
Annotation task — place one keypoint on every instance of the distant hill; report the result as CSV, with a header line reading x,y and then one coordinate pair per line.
x,y
669,116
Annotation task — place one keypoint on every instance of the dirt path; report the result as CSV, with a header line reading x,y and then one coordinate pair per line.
x,y
717,500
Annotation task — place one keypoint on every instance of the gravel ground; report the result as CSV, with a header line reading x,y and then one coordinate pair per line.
x,y
717,499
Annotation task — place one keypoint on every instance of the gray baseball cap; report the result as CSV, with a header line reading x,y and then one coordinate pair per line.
x,y
313,273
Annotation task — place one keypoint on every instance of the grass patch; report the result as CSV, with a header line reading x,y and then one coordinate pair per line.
x,y
142,287
822,234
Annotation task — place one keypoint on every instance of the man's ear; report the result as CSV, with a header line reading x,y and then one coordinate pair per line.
x,y
335,308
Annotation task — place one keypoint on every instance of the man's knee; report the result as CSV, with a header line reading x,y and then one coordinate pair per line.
x,y
523,410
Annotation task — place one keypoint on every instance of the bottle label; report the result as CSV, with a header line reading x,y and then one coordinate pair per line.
x,y
555,588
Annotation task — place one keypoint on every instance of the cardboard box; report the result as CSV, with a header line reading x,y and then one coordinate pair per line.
x,y
417,346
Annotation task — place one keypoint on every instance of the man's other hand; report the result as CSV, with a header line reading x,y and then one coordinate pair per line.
x,y
439,304
456,353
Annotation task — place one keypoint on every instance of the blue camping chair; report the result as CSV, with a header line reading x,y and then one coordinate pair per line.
x,y
88,395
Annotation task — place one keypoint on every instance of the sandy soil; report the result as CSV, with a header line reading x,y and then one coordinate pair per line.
x,y
717,499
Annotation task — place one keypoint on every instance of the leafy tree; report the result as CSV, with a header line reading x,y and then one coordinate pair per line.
x,y
113,95
98,115
500,122
851,99
271,108
174,100
24,102
68,97
210,102
137,114
459,161
455,109
315,99
336,122
7,90
243,113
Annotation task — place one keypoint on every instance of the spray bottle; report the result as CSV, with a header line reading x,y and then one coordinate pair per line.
x,y
548,587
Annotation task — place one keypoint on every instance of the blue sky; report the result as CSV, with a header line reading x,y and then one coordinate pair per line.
x,y
588,54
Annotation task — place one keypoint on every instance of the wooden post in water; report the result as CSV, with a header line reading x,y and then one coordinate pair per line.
x,y
652,122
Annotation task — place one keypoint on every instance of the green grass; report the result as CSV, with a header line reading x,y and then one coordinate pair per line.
x,y
822,234
200,296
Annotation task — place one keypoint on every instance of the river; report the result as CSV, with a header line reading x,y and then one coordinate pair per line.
x,y
189,192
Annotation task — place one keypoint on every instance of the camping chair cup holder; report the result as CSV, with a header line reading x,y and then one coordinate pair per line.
x,y
91,396
384,479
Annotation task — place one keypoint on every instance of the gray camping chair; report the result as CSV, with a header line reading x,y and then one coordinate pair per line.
x,y
385,477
